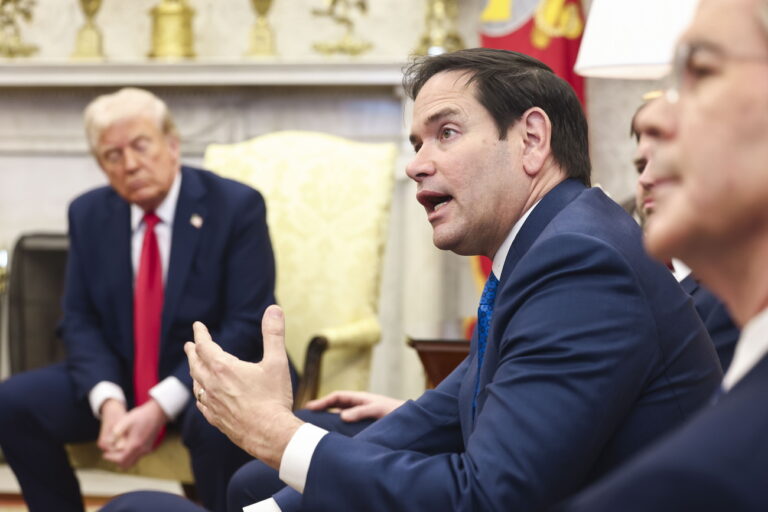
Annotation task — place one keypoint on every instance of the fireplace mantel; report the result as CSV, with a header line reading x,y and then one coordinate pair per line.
x,y
197,74
212,101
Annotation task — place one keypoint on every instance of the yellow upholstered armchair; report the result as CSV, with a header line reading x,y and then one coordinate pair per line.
x,y
327,202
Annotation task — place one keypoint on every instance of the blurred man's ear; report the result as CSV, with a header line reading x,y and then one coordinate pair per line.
x,y
175,145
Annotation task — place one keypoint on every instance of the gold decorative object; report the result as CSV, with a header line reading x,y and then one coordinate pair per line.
x,y
440,32
172,36
341,12
88,45
555,18
262,37
11,11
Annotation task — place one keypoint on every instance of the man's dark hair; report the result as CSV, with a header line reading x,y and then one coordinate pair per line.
x,y
509,83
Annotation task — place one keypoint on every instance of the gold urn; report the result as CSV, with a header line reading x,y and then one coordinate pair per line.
x,y
88,45
172,36
262,36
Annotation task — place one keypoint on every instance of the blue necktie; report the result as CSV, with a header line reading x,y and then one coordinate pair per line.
x,y
484,312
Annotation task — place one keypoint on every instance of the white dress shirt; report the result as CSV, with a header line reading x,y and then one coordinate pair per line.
x,y
170,393
294,465
680,270
750,349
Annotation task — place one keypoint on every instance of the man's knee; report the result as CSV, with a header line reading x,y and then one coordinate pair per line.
x,y
332,422
209,448
140,501
10,403
253,482
197,432
15,405
42,402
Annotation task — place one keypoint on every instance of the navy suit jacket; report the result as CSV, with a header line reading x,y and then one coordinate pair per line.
x,y
221,273
716,318
717,462
593,351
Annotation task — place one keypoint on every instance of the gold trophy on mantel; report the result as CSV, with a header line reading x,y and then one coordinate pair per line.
x,y
172,36
341,12
88,45
262,37
11,44
440,33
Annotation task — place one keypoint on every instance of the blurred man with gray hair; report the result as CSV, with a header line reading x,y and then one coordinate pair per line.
x,y
711,211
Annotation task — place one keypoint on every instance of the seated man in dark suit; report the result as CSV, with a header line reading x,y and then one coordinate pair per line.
x,y
712,166
256,481
585,351
160,247
716,318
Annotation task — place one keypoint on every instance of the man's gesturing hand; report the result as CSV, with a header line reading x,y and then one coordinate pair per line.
x,y
249,402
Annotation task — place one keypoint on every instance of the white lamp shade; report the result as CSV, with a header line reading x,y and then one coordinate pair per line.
x,y
632,38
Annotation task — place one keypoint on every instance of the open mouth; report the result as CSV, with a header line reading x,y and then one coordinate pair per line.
x,y
433,201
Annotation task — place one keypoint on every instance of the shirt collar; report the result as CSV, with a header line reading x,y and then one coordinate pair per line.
x,y
166,209
501,255
680,270
752,346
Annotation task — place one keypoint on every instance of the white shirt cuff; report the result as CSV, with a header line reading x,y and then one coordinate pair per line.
x,y
171,395
269,505
102,392
297,456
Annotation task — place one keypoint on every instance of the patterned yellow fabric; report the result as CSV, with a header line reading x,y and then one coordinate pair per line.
x,y
327,202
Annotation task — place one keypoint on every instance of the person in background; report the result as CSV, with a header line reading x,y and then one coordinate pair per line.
x,y
711,161
161,246
713,313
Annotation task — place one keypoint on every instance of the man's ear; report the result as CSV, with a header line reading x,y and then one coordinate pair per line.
x,y
175,146
537,134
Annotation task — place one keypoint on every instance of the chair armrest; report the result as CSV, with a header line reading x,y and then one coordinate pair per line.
x,y
361,334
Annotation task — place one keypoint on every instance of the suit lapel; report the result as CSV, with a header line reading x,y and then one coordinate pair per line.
x,y
184,241
467,389
117,246
549,206
689,284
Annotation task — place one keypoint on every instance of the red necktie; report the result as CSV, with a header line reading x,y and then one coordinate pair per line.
x,y
147,314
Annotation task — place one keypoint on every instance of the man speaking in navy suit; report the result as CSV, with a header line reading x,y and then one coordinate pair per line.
x,y
160,247
586,350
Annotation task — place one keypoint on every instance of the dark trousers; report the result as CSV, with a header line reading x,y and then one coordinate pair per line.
x,y
252,483
39,413
256,481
